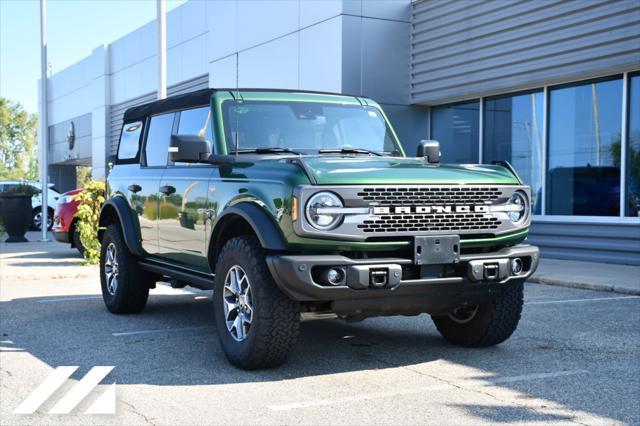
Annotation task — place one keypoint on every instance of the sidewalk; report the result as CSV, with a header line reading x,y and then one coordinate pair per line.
x,y
590,275
36,260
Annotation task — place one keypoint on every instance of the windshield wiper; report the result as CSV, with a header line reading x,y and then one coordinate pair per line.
x,y
266,150
348,151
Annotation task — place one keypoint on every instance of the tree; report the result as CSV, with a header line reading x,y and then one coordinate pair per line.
x,y
18,158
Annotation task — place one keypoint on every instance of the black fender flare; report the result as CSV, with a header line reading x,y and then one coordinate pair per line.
x,y
260,221
120,207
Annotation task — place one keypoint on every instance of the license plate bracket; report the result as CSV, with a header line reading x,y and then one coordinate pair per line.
x,y
436,250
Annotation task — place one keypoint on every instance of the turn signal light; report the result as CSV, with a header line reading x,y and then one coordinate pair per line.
x,y
294,208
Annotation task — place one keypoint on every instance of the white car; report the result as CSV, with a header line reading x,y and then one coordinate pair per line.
x,y
36,202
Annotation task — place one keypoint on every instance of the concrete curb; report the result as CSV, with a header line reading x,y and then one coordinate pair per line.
x,y
587,286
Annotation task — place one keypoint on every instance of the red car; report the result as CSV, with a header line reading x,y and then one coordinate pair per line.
x,y
64,220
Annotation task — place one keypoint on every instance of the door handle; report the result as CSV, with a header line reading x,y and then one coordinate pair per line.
x,y
134,188
167,189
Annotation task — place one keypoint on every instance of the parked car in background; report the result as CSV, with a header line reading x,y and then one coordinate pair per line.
x,y
36,202
65,221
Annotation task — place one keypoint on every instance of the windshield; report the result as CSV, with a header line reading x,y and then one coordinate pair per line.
x,y
306,127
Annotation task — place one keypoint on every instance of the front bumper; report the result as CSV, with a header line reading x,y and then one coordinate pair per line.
x,y
430,293
61,236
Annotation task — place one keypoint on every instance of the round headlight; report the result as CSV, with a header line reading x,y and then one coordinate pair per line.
x,y
65,199
519,210
322,219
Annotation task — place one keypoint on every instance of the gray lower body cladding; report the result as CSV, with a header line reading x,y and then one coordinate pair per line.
x,y
478,278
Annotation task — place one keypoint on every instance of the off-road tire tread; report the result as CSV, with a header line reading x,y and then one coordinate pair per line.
x,y
133,282
495,322
278,320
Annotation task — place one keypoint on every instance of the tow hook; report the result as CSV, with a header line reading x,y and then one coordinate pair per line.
x,y
488,270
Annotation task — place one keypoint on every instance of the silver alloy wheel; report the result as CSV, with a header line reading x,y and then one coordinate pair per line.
x,y
37,220
464,315
238,304
111,269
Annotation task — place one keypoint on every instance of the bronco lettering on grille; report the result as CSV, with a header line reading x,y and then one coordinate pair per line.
x,y
379,210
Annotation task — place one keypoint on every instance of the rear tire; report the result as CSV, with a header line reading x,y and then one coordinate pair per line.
x,y
256,323
484,325
36,219
125,286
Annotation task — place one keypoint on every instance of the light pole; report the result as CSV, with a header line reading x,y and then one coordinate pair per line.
x,y
161,8
44,130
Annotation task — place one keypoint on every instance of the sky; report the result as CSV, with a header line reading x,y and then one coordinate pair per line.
x,y
74,29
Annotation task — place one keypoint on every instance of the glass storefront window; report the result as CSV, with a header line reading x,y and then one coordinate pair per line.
x,y
633,149
513,131
584,149
456,127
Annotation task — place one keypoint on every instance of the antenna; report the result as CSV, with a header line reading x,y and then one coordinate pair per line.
x,y
237,100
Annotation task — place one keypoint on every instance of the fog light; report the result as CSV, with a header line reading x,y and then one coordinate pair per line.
x,y
335,276
516,266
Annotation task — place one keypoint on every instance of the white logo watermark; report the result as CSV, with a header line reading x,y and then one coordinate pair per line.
x,y
105,404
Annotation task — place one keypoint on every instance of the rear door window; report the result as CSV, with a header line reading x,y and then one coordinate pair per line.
x,y
158,138
130,141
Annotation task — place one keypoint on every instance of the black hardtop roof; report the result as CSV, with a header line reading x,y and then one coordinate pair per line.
x,y
172,103
197,98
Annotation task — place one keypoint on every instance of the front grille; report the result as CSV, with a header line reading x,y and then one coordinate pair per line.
x,y
432,195
430,223
396,212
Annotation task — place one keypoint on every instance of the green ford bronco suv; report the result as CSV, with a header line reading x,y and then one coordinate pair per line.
x,y
294,205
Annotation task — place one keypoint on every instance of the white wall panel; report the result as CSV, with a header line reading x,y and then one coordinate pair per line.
x,y
352,7
174,65
221,26
146,42
321,56
385,56
174,29
71,79
222,73
314,11
259,69
194,57
193,19
387,9
260,21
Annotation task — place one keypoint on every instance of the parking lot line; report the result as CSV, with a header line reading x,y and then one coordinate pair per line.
x,y
594,299
160,330
420,390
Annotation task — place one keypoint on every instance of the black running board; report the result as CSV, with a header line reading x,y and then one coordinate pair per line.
x,y
195,279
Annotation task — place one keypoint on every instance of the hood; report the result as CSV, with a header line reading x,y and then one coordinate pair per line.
x,y
73,191
341,170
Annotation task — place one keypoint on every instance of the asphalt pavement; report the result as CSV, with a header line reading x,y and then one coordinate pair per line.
x,y
574,359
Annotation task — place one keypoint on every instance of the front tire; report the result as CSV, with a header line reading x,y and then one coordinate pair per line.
x,y
77,243
125,287
256,323
484,325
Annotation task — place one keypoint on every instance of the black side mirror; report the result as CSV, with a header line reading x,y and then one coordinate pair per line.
x,y
430,150
189,149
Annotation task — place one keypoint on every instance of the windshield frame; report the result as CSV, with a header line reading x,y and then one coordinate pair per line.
x,y
228,144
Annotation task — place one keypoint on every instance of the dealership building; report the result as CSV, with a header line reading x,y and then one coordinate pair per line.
x,y
551,86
